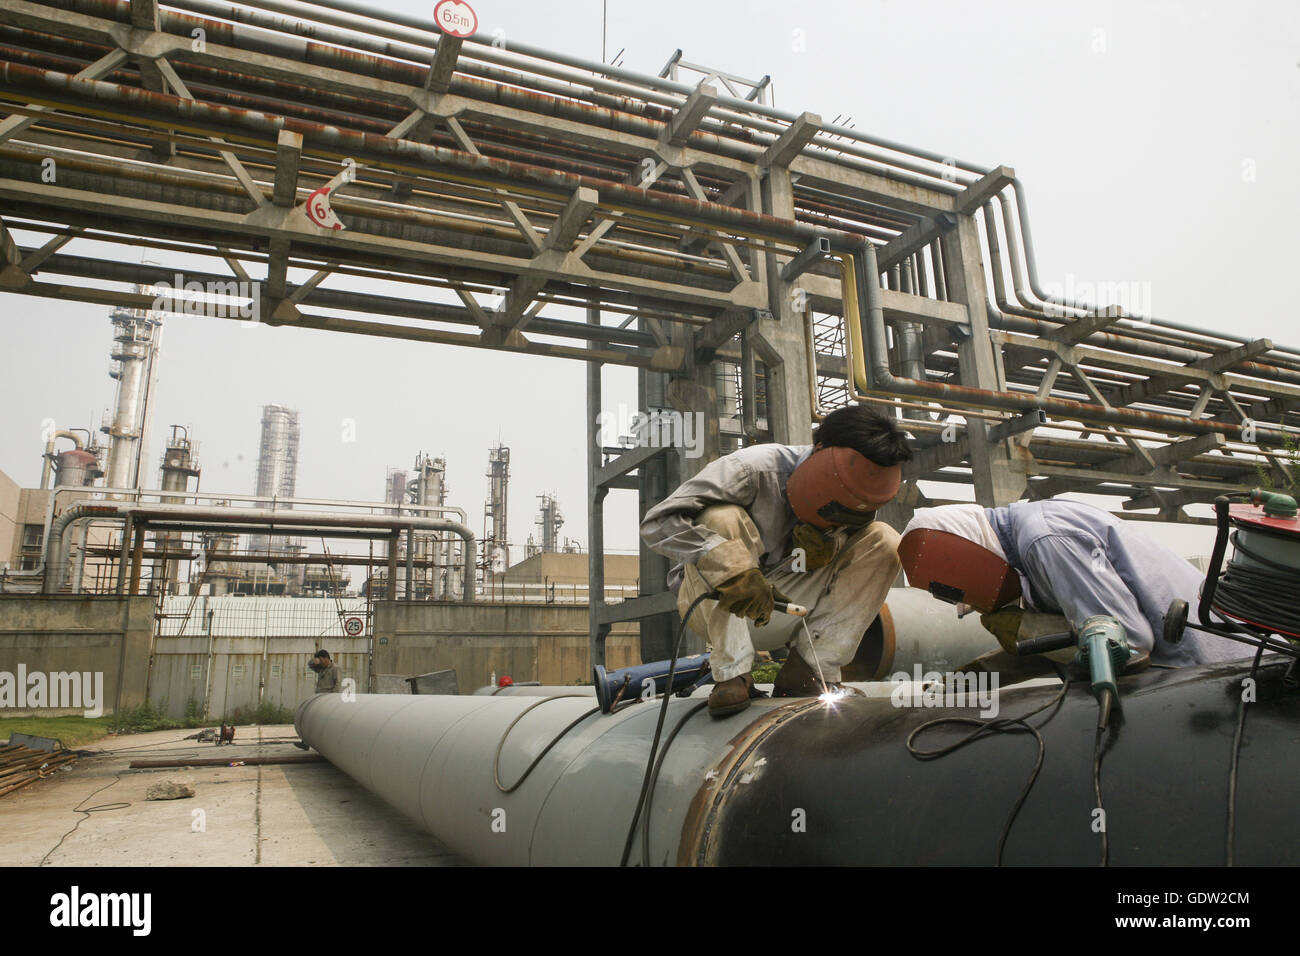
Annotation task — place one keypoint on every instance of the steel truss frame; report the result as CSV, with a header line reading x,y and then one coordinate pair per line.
x,y
495,188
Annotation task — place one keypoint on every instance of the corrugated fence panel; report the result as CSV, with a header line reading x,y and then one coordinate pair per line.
x,y
233,653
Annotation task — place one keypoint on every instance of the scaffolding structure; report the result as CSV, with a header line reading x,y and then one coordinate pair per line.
x,y
394,492
277,453
828,340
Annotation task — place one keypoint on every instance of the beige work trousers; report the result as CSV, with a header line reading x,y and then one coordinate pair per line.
x,y
843,597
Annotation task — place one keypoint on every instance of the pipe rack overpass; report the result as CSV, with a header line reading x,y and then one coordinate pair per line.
x,y
747,261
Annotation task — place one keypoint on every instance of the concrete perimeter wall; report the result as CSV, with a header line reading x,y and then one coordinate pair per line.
x,y
528,642
256,651
106,634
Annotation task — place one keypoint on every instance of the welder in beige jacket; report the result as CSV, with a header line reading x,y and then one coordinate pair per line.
x,y
774,522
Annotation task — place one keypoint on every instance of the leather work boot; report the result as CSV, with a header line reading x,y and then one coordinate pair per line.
x,y
797,679
732,696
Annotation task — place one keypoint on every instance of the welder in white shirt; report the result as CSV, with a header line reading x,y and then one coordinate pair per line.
x,y
1057,557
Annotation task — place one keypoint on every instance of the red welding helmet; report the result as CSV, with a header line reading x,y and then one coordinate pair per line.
x,y
957,570
839,486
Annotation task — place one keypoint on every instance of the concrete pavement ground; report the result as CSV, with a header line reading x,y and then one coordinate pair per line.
x,y
270,815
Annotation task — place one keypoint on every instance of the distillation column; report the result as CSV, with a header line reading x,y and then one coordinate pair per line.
x,y
137,338
496,547
277,477
429,488
179,464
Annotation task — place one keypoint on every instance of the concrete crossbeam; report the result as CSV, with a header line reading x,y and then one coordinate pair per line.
x,y
1078,329
687,119
792,141
564,231
917,237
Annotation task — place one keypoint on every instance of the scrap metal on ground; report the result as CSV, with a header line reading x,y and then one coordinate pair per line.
x,y
21,766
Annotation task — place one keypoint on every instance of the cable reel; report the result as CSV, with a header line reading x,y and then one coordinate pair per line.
x,y
1258,592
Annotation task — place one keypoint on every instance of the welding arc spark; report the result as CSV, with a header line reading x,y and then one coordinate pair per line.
x,y
827,695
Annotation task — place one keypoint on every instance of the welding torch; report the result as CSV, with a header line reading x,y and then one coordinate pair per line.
x,y
785,607
789,607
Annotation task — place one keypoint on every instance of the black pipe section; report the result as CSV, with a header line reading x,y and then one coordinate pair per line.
x,y
860,798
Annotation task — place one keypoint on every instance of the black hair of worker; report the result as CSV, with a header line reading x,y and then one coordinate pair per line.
x,y
867,431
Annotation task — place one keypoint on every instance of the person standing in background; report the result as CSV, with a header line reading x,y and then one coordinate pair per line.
x,y
327,674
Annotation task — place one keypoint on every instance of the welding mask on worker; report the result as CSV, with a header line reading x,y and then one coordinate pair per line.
x,y
840,487
957,570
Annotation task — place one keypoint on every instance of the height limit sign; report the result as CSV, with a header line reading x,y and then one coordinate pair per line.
x,y
456,18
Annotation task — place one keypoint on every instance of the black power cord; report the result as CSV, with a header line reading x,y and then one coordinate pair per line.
x,y
1264,596
496,760
652,766
987,728
1231,841
1245,591
1096,792
650,770
86,811
654,780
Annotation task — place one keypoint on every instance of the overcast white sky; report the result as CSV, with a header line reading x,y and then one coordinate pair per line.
x,y
1158,142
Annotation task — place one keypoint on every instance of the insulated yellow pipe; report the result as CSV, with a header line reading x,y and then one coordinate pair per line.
x,y
854,349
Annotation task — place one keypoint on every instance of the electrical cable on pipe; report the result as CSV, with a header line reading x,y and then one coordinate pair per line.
x,y
659,726
496,760
1096,792
1230,849
985,728
654,780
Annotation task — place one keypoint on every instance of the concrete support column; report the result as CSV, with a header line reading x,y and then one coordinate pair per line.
x,y
779,340
392,567
137,559
694,393
410,563
128,526
900,511
656,479
999,479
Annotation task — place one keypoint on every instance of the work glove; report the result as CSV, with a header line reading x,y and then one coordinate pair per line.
x,y
1005,626
749,594
817,548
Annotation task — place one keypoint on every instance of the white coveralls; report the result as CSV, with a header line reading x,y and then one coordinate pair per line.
x,y
734,516
1078,561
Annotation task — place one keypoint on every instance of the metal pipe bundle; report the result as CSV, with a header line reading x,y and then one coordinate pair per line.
x,y
240,519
